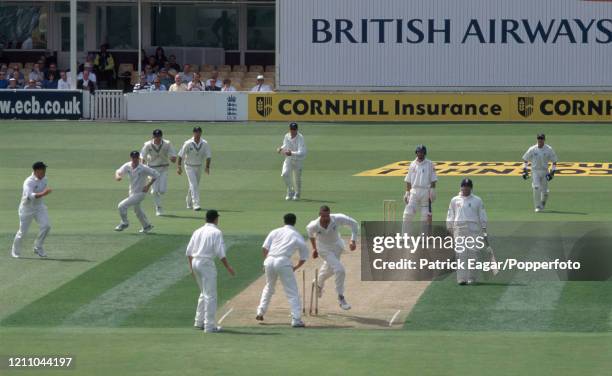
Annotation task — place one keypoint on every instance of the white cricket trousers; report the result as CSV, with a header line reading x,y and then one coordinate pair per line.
x,y
418,201
540,188
26,215
276,267
292,175
465,254
205,273
332,266
160,185
133,200
194,173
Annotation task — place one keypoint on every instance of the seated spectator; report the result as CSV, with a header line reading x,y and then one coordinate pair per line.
x,y
157,86
227,85
52,69
195,84
142,85
85,83
104,63
50,82
63,82
13,84
152,62
16,74
36,74
89,59
3,81
31,85
92,76
186,74
148,74
178,84
161,58
260,85
172,63
214,81
165,78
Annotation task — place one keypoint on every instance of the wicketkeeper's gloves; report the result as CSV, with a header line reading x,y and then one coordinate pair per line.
x,y
550,175
525,174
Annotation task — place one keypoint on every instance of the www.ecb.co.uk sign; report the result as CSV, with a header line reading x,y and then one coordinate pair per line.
x,y
474,168
431,107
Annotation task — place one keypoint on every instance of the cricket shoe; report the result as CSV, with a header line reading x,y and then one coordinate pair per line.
x,y
343,303
215,329
259,317
471,282
40,252
146,229
296,197
297,323
197,326
158,211
121,226
461,283
197,208
14,254
538,209
289,196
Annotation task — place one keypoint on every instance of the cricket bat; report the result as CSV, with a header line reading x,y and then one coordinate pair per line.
x,y
492,259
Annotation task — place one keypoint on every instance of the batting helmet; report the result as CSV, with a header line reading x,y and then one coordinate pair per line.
x,y
467,182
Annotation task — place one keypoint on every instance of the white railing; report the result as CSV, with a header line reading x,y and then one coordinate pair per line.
x,y
107,105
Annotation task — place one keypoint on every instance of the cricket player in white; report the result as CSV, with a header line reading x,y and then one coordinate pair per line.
x,y
31,208
294,150
194,153
139,186
158,153
278,248
420,188
205,245
466,218
539,155
325,231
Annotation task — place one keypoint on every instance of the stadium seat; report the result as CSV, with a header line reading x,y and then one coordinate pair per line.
x,y
270,75
252,75
194,68
239,68
207,67
270,68
256,68
237,75
224,68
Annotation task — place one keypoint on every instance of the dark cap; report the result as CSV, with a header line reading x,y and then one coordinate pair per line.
x,y
197,129
467,182
211,215
39,166
541,136
157,133
419,148
293,126
134,154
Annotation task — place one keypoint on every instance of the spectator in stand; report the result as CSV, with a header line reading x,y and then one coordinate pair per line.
x,y
195,84
172,64
31,85
157,86
148,74
164,78
16,74
13,84
142,85
36,74
227,85
104,63
52,69
4,83
152,62
214,83
260,85
50,82
178,84
92,76
63,83
161,58
186,74
85,83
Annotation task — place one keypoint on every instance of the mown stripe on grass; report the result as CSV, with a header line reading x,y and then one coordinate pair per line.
x,y
53,308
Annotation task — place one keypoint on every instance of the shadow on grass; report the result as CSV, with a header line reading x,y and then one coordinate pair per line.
x,y
562,212
313,200
56,259
245,333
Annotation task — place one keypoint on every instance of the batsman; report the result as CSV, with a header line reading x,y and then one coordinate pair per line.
x,y
420,189
540,155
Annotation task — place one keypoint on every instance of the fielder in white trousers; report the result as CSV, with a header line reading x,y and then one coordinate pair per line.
x,y
292,176
133,200
275,268
26,215
205,273
194,174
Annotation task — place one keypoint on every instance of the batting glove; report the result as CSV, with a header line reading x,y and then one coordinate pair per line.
x,y
550,175
525,174
406,197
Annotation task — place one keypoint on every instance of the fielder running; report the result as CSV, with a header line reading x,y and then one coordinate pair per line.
x,y
194,152
466,219
139,187
158,153
539,155
294,150
31,208
205,245
278,248
325,229
420,189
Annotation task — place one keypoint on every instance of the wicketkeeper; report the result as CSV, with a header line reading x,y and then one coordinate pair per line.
x,y
539,155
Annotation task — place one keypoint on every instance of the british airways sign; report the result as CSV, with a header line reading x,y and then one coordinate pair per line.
x,y
444,44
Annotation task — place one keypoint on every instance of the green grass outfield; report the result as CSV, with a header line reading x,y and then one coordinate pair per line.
x,y
123,303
